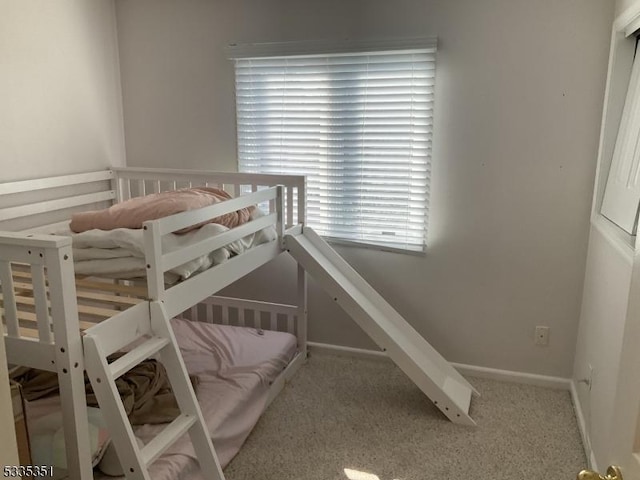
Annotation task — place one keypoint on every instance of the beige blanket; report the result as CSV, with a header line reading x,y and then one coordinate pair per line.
x,y
145,390
133,213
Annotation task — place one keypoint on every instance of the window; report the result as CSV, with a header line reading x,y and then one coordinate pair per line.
x,y
358,125
622,192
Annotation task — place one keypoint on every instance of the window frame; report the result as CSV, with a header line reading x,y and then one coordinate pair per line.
x,y
337,47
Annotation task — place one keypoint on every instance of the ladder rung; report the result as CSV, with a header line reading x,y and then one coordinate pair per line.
x,y
137,355
170,434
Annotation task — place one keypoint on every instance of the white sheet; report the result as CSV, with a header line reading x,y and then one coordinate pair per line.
x,y
235,366
119,253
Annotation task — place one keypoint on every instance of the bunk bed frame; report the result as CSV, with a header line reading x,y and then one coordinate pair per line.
x,y
57,322
64,324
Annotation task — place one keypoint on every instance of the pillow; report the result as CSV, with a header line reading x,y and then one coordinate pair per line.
x,y
134,212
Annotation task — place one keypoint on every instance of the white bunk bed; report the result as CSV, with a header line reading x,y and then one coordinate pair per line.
x,y
57,322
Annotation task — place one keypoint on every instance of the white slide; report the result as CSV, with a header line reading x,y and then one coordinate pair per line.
x,y
437,379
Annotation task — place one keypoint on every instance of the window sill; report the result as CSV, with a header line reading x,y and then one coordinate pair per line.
x,y
372,246
618,238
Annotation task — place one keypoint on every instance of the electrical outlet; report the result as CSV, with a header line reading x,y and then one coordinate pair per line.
x,y
541,336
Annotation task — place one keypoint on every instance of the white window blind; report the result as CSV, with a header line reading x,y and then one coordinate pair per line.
x,y
357,125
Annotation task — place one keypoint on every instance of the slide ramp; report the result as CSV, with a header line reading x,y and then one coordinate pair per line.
x,y
437,379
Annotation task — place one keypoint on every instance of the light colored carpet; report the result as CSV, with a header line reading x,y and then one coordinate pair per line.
x,y
359,419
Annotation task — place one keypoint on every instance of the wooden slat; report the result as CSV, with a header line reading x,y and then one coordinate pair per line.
x,y
131,290
274,321
182,220
53,182
111,300
252,304
212,243
167,174
290,324
103,297
10,308
137,355
289,206
31,353
97,311
169,435
119,330
20,272
84,309
126,188
225,315
33,319
51,205
41,304
26,288
24,332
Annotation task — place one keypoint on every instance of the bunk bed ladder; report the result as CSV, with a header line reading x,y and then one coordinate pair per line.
x,y
147,320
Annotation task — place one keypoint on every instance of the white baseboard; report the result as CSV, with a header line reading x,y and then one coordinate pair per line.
x,y
470,370
582,426
514,377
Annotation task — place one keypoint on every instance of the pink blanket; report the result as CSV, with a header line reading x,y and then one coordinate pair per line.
x,y
133,213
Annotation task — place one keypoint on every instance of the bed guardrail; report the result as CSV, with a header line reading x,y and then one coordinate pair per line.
x,y
159,262
28,204
240,312
132,182
54,198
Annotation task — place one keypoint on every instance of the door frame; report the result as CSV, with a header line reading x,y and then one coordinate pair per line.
x,y
622,433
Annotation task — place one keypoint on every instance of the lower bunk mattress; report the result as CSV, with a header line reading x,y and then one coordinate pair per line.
x,y
235,367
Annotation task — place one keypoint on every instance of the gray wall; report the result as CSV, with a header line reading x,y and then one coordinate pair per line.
x,y
518,102
61,106
622,5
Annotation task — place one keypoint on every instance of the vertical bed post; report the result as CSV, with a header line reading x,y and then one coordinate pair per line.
x,y
153,259
9,307
280,211
69,359
116,185
301,329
